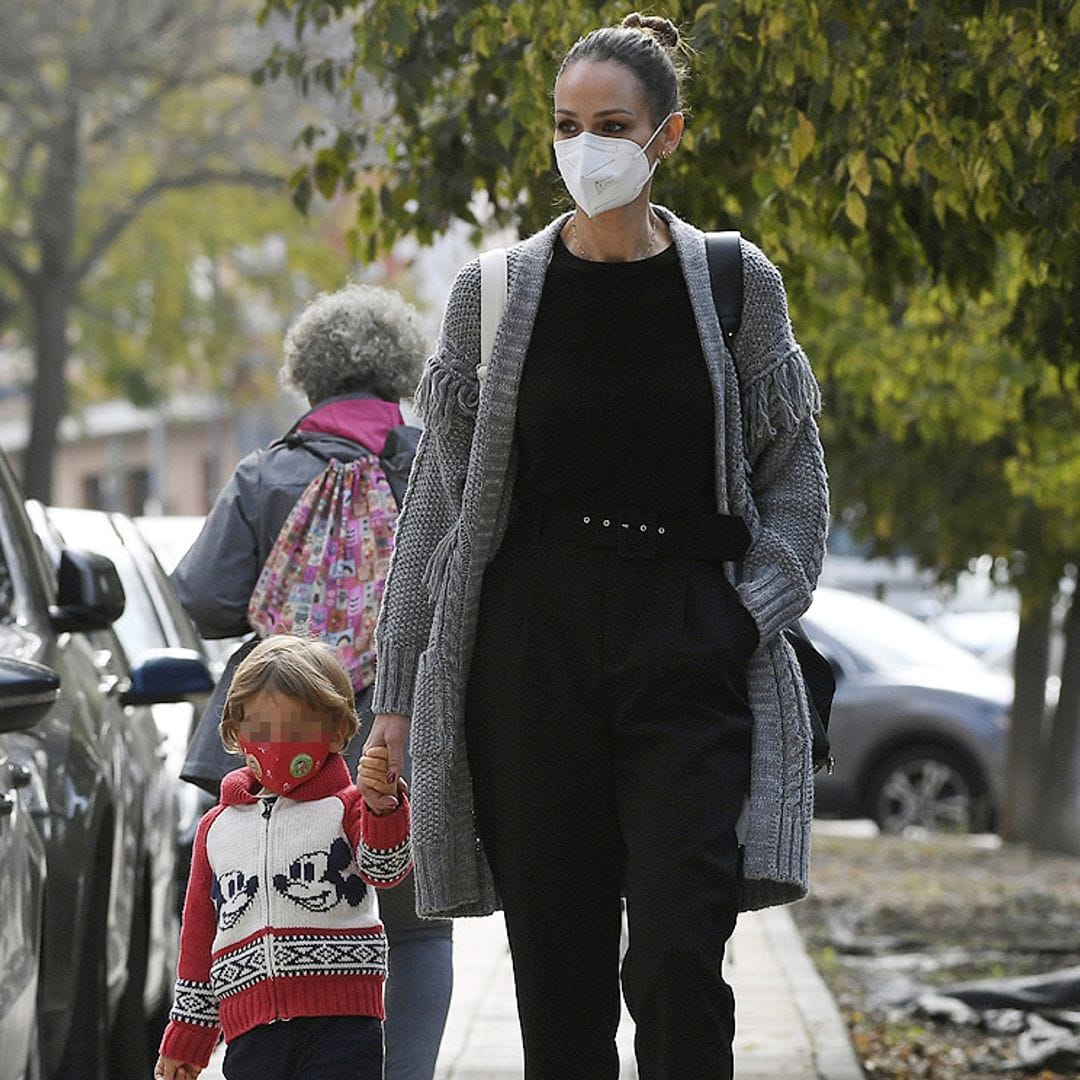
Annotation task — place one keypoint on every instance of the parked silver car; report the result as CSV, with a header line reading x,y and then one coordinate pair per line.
x,y
85,768
153,619
170,536
918,725
27,692
101,799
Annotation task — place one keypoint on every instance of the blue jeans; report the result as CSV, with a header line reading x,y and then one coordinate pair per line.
x,y
420,962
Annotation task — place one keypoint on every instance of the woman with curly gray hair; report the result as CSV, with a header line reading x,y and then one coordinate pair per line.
x,y
354,353
359,340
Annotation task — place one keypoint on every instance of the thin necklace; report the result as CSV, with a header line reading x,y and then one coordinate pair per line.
x,y
585,255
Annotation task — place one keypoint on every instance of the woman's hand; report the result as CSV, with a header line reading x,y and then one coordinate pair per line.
x,y
389,730
372,773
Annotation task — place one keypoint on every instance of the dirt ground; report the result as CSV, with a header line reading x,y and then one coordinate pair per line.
x,y
889,913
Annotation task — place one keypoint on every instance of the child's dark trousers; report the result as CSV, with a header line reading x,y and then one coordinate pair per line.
x,y
308,1048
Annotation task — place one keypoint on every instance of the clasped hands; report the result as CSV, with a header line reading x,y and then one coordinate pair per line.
x,y
373,776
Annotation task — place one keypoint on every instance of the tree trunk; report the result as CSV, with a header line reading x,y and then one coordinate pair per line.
x,y
1024,755
1060,808
51,306
50,297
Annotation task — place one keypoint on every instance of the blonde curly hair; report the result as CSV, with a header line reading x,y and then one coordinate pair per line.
x,y
361,338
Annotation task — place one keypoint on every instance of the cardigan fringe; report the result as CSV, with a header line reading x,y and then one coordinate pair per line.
x,y
439,564
780,398
445,392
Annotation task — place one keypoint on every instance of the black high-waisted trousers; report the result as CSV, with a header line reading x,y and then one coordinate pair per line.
x,y
609,742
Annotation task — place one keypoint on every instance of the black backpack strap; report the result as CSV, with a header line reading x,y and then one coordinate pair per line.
x,y
726,278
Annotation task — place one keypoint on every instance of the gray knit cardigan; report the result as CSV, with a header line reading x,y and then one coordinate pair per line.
x,y
769,470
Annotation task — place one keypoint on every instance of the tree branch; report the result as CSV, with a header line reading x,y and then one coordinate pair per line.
x,y
8,307
115,124
123,218
120,123
9,259
17,172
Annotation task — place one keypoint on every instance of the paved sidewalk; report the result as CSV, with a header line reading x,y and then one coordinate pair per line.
x,y
789,1027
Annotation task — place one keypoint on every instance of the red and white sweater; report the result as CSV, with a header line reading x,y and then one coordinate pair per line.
x,y
279,920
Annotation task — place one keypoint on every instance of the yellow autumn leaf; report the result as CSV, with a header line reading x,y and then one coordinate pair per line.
x,y
859,168
802,139
855,209
939,202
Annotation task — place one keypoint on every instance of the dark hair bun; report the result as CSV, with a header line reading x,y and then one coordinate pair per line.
x,y
664,30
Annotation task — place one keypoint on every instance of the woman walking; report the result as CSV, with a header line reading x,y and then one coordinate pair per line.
x,y
605,533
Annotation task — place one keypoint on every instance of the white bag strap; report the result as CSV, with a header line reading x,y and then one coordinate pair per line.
x,y
492,299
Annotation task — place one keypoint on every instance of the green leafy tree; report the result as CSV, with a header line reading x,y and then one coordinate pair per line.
x,y
934,142
921,459
106,106
191,299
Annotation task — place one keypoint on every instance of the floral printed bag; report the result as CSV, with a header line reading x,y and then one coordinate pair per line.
x,y
325,574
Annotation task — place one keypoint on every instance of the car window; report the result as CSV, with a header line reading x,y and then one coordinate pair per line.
x,y
177,625
139,627
879,637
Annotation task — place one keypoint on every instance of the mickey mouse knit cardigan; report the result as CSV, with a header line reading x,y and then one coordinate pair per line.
x,y
279,919
769,470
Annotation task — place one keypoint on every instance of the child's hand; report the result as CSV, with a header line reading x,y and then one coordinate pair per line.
x,y
173,1069
380,795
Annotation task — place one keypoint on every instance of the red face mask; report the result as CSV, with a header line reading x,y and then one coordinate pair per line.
x,y
283,766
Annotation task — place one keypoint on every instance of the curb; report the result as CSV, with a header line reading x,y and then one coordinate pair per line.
x,y
834,1058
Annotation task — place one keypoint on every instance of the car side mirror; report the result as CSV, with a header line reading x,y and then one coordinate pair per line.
x,y
168,675
27,692
89,595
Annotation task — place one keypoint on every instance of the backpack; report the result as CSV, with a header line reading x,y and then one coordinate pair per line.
x,y
325,573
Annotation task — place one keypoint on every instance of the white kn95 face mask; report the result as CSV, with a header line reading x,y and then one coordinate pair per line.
x,y
603,173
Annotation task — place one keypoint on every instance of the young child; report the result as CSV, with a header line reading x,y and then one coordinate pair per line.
x,y
281,948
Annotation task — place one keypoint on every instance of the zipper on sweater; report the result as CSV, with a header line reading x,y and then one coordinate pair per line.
x,y
267,811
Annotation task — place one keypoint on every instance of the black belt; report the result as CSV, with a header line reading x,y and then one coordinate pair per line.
x,y
634,533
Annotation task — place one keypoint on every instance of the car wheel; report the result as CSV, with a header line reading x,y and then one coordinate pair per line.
x,y
928,787
86,1053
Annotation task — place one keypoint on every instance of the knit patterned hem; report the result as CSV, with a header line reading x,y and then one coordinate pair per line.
x,y
302,995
